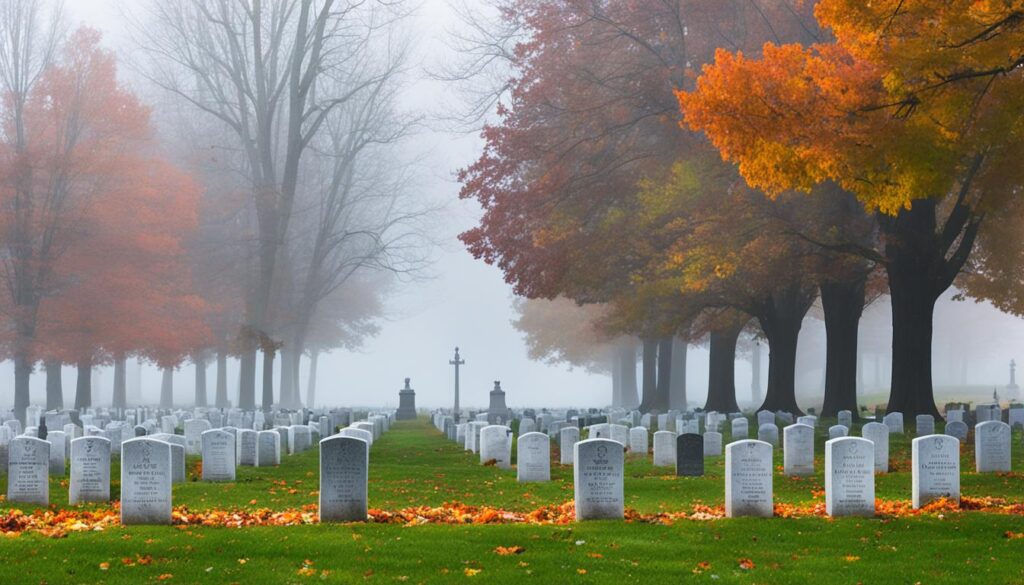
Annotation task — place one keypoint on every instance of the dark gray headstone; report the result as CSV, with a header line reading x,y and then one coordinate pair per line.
x,y
689,455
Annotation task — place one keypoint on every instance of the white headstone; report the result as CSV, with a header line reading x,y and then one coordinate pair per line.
x,y
619,433
957,429
90,470
798,450
740,429
935,469
748,479
58,452
768,433
598,479
838,431
145,481
533,458
194,430
712,444
845,418
567,439
268,448
28,468
246,447
664,449
219,452
924,424
992,446
344,479
849,477
878,434
496,445
894,420
638,440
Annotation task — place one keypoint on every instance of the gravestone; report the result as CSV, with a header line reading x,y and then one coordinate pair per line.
x,y
798,450
533,458
748,479
712,445
598,479
954,416
811,421
28,467
58,452
935,469
845,418
924,424
283,434
359,434
740,429
218,455
992,446
638,440
90,470
894,420
768,433
620,433
600,431
664,449
765,417
957,429
689,455
268,448
194,430
406,403
246,447
527,425
878,434
5,440
496,445
145,481
344,478
302,437
1015,416
567,439
837,431
178,474
849,477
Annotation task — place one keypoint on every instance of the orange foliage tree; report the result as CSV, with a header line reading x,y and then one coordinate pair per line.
x,y
915,108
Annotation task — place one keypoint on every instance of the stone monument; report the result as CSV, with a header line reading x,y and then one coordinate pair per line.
x,y
406,403
497,412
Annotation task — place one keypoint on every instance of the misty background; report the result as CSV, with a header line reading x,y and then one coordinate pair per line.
x,y
464,302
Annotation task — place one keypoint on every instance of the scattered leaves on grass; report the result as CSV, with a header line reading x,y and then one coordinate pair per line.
x,y
509,550
746,564
469,572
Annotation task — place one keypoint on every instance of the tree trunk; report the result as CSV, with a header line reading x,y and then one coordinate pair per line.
x,y
664,383
843,304
722,370
120,399
285,388
314,357
247,381
627,365
677,389
222,379
167,388
83,384
781,316
650,373
915,266
616,382
54,386
755,374
22,375
200,362
268,380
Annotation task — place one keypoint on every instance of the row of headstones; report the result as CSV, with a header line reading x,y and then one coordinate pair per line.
x,y
150,465
849,476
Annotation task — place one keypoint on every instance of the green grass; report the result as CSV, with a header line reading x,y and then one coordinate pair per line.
x,y
414,465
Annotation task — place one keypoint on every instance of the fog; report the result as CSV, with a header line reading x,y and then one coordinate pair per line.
x,y
460,301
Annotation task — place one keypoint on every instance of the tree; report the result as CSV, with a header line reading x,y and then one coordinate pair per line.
x,y
31,32
261,69
912,109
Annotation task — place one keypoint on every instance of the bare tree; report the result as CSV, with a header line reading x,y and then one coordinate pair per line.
x,y
261,68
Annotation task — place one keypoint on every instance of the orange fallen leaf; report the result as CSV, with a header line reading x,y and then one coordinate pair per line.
x,y
509,550
471,572
746,564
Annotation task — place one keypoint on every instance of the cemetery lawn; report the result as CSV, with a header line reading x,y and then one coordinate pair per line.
x,y
413,465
